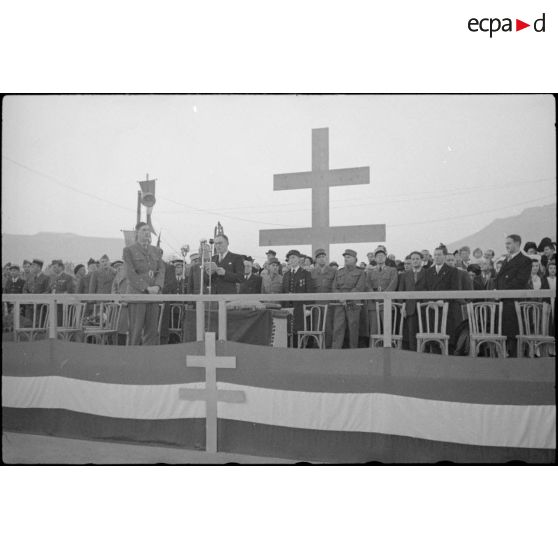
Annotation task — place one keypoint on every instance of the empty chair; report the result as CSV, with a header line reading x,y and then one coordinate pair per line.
x,y
432,320
36,323
485,327
314,322
377,339
107,326
72,321
176,329
534,328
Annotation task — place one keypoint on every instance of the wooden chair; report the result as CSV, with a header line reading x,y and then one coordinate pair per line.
x,y
432,329
107,327
315,322
485,327
176,328
39,316
377,339
72,321
534,323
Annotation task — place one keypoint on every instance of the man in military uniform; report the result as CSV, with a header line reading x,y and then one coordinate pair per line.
x,y
26,272
272,280
61,282
346,314
102,278
145,274
15,283
79,273
296,280
178,265
382,278
323,276
38,282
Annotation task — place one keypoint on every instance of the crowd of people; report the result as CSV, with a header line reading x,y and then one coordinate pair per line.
x,y
142,270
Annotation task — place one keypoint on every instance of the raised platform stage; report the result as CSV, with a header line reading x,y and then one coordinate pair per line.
x,y
333,406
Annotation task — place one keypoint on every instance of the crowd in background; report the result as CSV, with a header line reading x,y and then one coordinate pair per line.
x,y
463,269
101,276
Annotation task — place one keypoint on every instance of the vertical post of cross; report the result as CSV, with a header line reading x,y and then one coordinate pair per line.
x,y
210,361
320,195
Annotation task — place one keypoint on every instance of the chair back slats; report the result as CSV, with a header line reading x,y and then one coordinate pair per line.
x,y
396,318
434,317
176,316
533,318
72,315
41,314
485,318
315,316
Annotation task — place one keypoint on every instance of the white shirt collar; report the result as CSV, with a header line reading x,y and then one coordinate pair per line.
x,y
511,256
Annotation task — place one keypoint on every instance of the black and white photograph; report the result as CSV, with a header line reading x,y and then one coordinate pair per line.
x,y
276,279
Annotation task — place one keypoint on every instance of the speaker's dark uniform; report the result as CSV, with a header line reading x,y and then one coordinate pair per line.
x,y
299,281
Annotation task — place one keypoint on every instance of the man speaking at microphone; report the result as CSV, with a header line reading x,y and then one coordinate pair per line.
x,y
226,269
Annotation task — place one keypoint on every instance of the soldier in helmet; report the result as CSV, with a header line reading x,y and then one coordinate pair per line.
x,y
346,314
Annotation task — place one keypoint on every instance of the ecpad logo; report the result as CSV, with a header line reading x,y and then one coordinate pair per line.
x,y
493,25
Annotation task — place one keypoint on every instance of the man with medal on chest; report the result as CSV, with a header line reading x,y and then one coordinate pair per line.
x,y
296,280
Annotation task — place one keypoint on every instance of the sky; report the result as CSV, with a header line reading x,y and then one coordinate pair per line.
x,y
441,167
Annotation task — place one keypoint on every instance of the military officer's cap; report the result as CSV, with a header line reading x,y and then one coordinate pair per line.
x,y
248,259
274,261
349,252
271,253
293,253
104,257
379,250
90,261
116,262
38,262
77,268
194,256
14,267
57,262
319,252
26,262
177,261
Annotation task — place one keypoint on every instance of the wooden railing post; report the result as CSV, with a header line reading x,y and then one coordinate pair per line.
x,y
387,322
52,319
200,320
222,320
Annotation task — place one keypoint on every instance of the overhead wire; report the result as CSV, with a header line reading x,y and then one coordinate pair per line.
x,y
224,216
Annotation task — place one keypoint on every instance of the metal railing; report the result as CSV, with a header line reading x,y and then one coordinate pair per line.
x,y
200,300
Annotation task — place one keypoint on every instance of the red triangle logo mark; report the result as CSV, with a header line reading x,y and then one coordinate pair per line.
x,y
519,25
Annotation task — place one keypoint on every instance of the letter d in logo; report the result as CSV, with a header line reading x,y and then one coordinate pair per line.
x,y
539,24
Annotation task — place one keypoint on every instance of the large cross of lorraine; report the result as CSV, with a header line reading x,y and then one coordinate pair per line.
x,y
211,395
320,179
